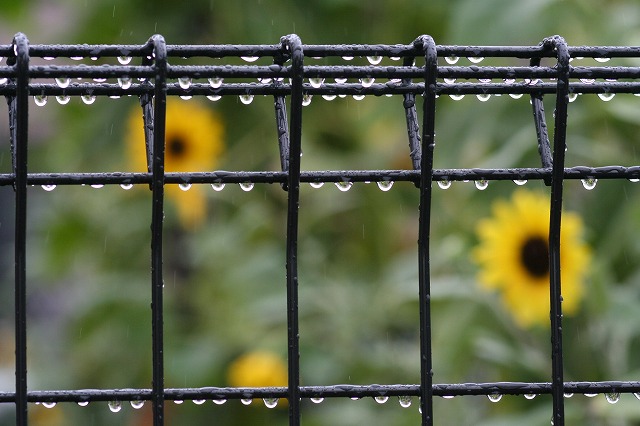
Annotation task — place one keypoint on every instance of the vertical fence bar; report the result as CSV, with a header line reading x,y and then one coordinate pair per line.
x,y
293,44
557,180
426,180
19,114
157,218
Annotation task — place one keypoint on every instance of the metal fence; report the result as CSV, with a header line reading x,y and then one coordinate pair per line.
x,y
146,71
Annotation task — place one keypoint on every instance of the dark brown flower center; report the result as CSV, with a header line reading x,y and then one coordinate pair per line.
x,y
535,256
176,147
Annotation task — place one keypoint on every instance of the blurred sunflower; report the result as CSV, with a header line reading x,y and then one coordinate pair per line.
x,y
513,256
258,369
193,143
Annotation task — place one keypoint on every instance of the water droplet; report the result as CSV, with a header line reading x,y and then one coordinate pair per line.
x,y
484,80
88,99
63,82
568,395
83,403
590,395
606,96
448,396
405,401
178,401
529,395
217,186
137,404
214,97
246,186
199,401
381,399
48,58
453,59
222,401
358,97
270,402
264,80
76,58
185,97
99,80
612,397
306,99
126,186
637,395
184,186
328,97
494,397
316,184
367,81
385,185
602,59
48,187
124,82
355,398
344,186
482,184
250,58
394,58
456,97
483,97
634,180
519,182
3,80
184,82
573,97
340,80
449,80
347,58
316,82
246,401
246,99
589,184
40,100
124,60
588,80
317,400
444,184
475,59
97,185
216,82
374,60
516,95
48,404
63,99
115,406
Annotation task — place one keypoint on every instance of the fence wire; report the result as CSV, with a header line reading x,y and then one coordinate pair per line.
x,y
146,71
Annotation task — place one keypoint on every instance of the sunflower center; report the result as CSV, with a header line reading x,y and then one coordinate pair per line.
x,y
535,256
176,147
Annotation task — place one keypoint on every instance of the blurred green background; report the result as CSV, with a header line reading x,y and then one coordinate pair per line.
x,y
88,250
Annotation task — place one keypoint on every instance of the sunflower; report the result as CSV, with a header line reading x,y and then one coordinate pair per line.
x,y
513,256
193,143
258,369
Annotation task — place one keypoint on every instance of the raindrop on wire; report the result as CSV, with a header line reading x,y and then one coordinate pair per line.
x,y
124,60
178,401
126,186
246,401
444,184
138,404
316,82
568,395
358,97
344,186
124,82
83,403
246,99
246,186
589,184
573,97
637,395
494,397
40,100
270,402
340,80
48,404
456,97
590,395
602,60
380,399
328,97
222,401
63,82
214,97
529,395
217,186
405,401
199,401
520,182
367,81
449,80
115,406
249,58
48,188
606,96
88,99
374,60
483,97
612,397
634,180
475,59
306,99
184,82
385,185
184,186
516,95
316,185
63,99
317,400
215,82
451,60
97,185
482,184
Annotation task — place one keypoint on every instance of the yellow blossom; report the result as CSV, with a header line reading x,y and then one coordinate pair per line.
x,y
258,369
513,256
193,143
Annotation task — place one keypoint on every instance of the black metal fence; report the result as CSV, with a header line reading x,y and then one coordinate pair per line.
x,y
149,74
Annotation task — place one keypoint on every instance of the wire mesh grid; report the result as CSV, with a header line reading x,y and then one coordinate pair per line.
x,y
146,71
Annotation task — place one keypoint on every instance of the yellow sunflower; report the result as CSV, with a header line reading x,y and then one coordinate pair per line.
x,y
513,256
193,143
258,369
